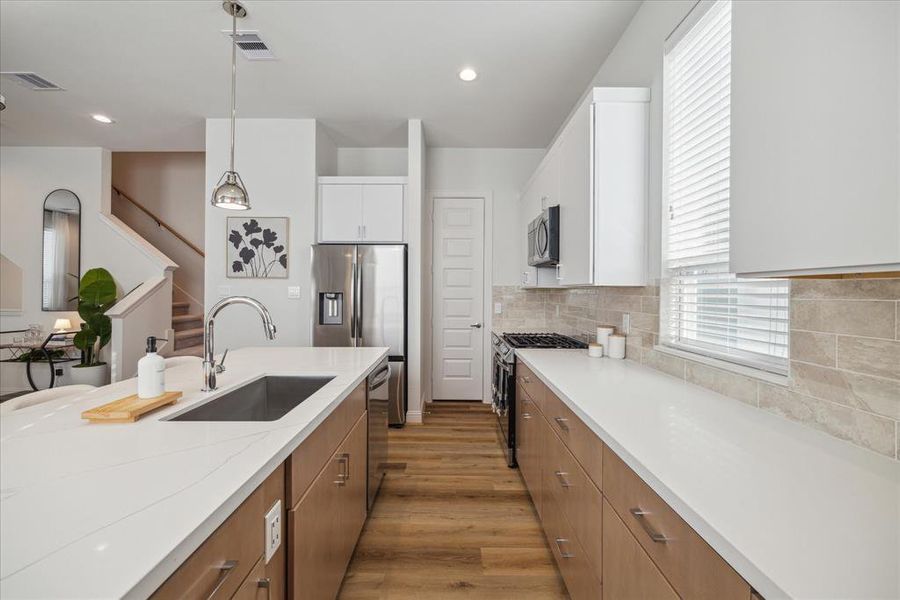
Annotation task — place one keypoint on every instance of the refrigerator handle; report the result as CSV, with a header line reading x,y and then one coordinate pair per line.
x,y
353,301
359,303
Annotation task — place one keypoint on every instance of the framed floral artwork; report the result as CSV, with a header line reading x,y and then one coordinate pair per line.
x,y
257,248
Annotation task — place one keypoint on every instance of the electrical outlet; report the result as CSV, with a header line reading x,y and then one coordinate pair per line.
x,y
273,530
223,291
498,308
626,323
293,291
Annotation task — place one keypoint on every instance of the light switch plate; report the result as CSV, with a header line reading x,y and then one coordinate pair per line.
x,y
498,308
626,323
293,291
223,291
273,530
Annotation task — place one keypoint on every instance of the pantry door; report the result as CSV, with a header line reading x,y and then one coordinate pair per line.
x,y
458,299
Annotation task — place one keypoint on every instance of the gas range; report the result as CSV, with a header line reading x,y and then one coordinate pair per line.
x,y
504,378
505,344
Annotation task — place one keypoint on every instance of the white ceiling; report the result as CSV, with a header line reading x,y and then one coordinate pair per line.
x,y
363,68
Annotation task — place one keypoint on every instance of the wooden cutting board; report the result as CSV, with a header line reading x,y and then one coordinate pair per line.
x,y
128,409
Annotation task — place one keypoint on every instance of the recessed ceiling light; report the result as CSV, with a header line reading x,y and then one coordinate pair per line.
x,y
102,119
468,74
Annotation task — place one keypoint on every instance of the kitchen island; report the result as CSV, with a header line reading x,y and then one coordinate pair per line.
x,y
110,511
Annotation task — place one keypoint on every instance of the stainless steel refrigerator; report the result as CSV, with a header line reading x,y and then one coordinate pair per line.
x,y
359,299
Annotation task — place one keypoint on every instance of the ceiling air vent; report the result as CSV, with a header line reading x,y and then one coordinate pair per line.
x,y
32,81
251,45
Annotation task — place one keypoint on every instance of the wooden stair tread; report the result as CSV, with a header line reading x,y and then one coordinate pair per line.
x,y
189,333
196,350
187,317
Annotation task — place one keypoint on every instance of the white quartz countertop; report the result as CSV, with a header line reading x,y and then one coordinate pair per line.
x,y
109,511
797,513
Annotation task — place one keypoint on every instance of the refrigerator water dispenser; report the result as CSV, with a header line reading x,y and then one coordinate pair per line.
x,y
331,308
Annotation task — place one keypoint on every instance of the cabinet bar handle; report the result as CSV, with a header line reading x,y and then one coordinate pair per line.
x,y
563,423
561,475
526,415
342,477
640,515
266,584
563,553
225,569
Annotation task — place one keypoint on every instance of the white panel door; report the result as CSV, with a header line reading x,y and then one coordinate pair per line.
x,y
382,213
340,211
458,299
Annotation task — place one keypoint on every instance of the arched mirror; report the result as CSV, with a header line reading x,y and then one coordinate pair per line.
x,y
62,251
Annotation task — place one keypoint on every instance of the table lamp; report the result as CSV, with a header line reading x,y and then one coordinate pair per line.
x,y
62,325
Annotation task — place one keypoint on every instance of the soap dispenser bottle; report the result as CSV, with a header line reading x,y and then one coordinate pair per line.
x,y
151,372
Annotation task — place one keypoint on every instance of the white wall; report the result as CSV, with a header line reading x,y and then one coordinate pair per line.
x,y
418,219
27,175
172,185
277,160
500,171
372,162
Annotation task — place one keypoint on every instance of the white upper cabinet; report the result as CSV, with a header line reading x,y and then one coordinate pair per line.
x,y
596,171
382,213
361,209
815,138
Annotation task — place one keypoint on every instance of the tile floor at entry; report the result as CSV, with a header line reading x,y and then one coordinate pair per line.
x,y
452,520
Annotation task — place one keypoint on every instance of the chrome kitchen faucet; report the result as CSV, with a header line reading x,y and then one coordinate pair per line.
x,y
210,368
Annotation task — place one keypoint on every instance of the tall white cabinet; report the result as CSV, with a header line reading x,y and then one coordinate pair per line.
x,y
361,209
596,171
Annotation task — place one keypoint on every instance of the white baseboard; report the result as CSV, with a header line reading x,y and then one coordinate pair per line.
x,y
414,416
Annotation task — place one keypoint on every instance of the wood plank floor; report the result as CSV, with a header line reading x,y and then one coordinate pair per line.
x,y
452,520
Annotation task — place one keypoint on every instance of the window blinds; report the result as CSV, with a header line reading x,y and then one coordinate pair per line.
x,y
705,308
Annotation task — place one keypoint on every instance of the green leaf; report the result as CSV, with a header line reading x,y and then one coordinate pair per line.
x,y
101,325
97,288
84,340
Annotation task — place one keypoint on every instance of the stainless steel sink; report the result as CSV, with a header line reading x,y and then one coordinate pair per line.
x,y
266,399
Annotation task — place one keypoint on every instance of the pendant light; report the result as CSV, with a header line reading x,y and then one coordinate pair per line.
x,y
230,192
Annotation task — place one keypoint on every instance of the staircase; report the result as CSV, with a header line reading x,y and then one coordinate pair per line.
x,y
188,330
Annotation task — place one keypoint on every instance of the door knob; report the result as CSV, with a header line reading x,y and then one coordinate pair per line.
x,y
476,325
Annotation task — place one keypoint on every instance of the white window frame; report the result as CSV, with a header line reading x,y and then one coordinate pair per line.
x,y
763,365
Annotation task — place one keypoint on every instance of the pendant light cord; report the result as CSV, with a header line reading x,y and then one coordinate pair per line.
x,y
233,73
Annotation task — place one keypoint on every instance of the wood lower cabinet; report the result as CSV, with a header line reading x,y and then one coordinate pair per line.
x,y
323,483
628,573
228,560
604,525
325,524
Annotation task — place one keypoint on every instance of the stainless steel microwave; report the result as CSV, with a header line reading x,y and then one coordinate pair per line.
x,y
543,238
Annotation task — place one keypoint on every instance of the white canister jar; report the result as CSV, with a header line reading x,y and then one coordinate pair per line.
x,y
603,333
595,350
617,346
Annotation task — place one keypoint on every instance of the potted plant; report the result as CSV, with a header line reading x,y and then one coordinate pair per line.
x,y
96,295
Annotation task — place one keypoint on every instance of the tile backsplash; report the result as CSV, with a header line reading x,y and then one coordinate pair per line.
x,y
844,357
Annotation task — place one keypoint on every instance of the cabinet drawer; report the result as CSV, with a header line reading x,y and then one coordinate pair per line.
x,y
217,568
690,564
577,571
534,386
628,573
252,588
581,441
577,497
310,456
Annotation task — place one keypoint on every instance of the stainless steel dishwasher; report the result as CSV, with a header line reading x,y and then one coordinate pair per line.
x,y
377,398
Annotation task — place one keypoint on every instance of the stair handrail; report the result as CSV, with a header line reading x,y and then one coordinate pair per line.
x,y
159,221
